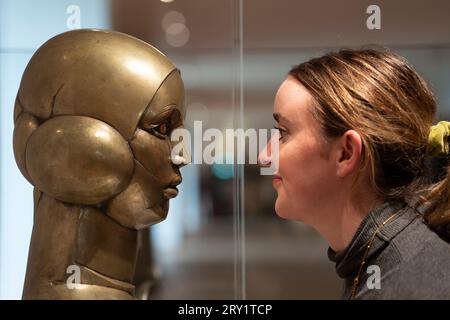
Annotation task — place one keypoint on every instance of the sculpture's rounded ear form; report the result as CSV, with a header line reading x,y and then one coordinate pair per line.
x,y
78,160
26,124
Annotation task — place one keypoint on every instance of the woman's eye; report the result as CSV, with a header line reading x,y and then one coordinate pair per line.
x,y
281,131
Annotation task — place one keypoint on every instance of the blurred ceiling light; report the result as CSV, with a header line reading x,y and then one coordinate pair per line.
x,y
167,1
171,18
176,28
177,35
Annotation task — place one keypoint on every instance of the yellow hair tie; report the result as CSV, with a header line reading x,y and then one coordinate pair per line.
x,y
438,139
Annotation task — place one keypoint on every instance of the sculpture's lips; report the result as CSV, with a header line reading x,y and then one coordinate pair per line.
x,y
170,192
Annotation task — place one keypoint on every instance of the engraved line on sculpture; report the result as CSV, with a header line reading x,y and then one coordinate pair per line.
x,y
107,281
159,87
123,284
54,100
39,120
120,285
21,107
37,201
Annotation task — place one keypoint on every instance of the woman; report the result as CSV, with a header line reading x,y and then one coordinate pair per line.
x,y
356,147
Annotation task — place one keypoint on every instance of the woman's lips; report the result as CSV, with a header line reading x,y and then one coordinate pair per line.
x,y
276,180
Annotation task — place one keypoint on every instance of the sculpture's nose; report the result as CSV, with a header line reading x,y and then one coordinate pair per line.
x,y
180,152
179,161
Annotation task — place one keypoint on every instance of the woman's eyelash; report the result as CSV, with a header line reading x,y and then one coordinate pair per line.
x,y
281,131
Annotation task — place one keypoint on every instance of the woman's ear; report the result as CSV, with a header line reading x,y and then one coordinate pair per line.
x,y
349,149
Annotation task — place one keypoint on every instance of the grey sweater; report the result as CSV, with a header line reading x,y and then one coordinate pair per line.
x,y
407,260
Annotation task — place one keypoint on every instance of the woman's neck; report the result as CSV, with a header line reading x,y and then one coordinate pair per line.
x,y
344,219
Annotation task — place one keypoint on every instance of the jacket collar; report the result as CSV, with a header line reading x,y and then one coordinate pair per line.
x,y
348,260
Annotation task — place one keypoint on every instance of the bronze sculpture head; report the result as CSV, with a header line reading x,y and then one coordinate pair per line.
x,y
93,118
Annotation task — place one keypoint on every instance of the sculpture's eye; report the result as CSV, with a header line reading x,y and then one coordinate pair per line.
x,y
162,124
160,130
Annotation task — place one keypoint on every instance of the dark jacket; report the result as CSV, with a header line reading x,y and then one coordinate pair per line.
x,y
413,261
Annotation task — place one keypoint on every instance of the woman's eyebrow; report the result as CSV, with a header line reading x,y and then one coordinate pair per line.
x,y
278,117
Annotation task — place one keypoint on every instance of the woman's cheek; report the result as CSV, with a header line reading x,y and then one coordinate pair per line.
x,y
290,160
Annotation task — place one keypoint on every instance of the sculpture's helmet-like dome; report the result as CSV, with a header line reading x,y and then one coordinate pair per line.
x,y
81,110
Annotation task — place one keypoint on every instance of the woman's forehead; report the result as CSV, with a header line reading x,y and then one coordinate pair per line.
x,y
292,100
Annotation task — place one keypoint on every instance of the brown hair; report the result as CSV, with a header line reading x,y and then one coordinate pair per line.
x,y
379,94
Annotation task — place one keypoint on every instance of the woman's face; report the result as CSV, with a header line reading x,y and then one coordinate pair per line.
x,y
305,179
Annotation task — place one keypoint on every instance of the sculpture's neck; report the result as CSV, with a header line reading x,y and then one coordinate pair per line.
x,y
78,252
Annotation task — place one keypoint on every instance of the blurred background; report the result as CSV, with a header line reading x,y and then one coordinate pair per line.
x,y
222,238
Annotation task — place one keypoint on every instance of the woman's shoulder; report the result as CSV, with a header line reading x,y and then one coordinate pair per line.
x,y
424,276
422,271
414,264
417,243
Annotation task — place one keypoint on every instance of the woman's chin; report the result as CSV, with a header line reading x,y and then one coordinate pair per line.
x,y
284,210
280,210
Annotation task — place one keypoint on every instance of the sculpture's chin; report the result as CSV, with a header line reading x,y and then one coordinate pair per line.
x,y
150,216
139,217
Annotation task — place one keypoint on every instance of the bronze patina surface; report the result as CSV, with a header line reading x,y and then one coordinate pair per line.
x,y
93,117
